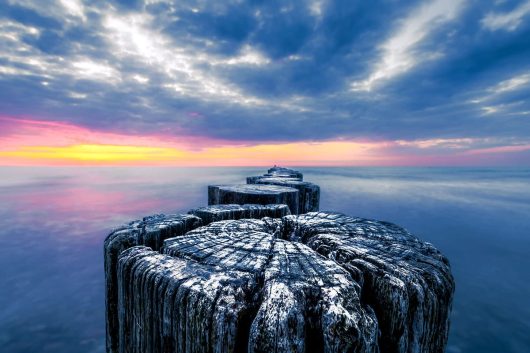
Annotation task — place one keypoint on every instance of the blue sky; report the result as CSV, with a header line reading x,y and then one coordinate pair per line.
x,y
451,74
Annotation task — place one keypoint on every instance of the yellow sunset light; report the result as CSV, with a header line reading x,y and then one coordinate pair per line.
x,y
95,153
301,152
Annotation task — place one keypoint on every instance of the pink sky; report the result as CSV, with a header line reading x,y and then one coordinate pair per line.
x,y
35,142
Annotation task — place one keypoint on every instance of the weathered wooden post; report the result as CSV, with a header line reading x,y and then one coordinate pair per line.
x,y
308,193
254,278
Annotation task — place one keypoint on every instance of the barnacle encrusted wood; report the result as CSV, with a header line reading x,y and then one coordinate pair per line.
x,y
313,282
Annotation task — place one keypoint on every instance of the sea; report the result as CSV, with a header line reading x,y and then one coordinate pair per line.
x,y
53,221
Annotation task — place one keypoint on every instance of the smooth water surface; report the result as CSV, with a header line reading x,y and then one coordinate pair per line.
x,y
53,222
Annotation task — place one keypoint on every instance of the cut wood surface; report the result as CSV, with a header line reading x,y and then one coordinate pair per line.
x,y
278,172
253,194
317,282
216,213
308,193
254,278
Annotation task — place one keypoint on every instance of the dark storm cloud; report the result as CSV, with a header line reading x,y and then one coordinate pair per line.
x,y
272,70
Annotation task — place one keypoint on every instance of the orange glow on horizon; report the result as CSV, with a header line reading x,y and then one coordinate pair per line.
x,y
33,142
93,153
297,153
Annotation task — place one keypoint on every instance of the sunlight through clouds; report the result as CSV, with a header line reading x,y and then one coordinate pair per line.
x,y
131,36
74,8
88,69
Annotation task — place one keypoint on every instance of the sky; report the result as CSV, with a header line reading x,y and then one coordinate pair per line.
x,y
316,82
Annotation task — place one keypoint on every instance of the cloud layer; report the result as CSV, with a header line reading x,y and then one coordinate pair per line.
x,y
256,72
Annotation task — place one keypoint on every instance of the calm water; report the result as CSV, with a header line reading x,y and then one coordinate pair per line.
x,y
53,222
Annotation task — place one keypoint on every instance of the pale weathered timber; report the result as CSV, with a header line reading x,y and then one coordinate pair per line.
x,y
318,282
277,172
253,194
313,282
150,231
253,179
235,286
172,305
284,172
308,193
216,213
406,281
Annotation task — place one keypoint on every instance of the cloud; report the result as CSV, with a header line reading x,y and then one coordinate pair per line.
x,y
131,37
505,97
274,72
74,8
508,21
91,70
398,52
454,143
511,84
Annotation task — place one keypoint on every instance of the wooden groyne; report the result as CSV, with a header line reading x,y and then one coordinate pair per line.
x,y
260,269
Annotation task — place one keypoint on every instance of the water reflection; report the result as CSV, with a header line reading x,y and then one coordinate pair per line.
x,y
53,222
